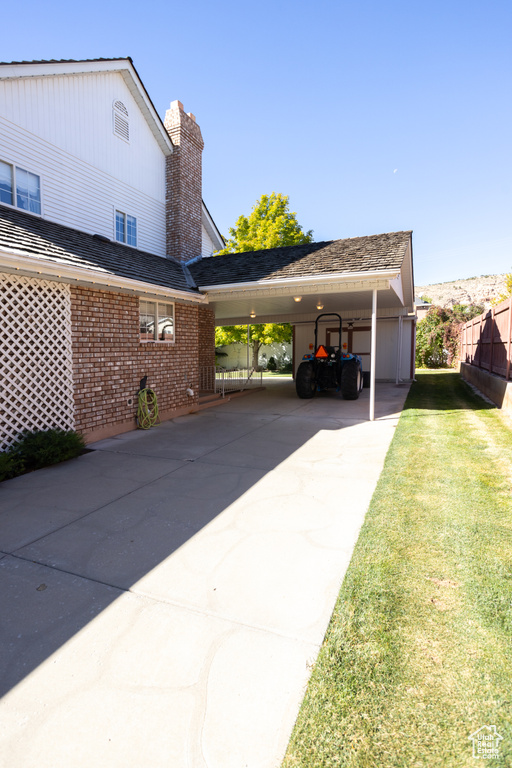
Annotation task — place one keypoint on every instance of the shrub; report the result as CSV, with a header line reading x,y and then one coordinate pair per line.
x,y
437,335
43,448
287,367
272,365
10,465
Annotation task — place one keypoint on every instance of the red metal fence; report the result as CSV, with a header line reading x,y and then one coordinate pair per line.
x,y
486,340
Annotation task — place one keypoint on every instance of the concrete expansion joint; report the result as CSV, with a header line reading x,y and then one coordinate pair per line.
x,y
57,569
228,619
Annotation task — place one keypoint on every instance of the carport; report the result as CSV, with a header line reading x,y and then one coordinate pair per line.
x,y
368,281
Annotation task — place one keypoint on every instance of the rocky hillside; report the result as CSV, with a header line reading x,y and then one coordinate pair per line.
x,y
472,290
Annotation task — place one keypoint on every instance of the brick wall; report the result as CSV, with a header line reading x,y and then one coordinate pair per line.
x,y
206,336
109,361
183,185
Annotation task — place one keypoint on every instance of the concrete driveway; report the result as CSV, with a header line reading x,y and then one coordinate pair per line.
x,y
164,596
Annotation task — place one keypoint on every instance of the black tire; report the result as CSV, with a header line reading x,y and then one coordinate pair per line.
x,y
305,382
366,379
350,380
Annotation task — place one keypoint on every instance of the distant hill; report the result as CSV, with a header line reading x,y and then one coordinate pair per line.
x,y
471,290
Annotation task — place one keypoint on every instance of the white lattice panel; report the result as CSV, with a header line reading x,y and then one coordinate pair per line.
x,y
36,374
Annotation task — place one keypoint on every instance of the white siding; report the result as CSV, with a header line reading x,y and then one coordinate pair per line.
x,y
207,247
61,128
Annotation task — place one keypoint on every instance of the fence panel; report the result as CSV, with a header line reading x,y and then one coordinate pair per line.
x,y
486,340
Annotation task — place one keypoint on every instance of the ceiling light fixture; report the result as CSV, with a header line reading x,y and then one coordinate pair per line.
x,y
297,298
253,314
319,305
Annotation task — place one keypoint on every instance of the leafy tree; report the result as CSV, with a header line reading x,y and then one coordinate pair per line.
x,y
438,334
270,225
260,334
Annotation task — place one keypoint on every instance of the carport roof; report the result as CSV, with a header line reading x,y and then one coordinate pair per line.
x,y
372,254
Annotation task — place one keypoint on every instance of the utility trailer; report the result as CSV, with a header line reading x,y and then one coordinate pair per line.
x,y
330,368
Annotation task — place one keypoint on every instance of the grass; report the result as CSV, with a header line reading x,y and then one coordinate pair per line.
x,y
418,654
276,373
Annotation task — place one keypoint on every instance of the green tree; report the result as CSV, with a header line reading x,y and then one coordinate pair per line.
x,y
438,334
259,335
270,225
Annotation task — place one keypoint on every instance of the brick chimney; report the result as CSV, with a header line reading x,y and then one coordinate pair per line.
x,y
183,184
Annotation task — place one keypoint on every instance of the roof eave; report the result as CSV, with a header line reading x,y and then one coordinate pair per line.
x,y
18,262
315,280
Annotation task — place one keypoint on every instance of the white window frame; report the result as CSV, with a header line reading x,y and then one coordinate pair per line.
x,y
125,216
14,190
156,314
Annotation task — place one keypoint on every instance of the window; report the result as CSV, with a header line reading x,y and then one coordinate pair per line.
x,y
126,228
20,188
120,120
156,321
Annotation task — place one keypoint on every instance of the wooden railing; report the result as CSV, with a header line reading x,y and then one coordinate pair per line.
x,y
486,340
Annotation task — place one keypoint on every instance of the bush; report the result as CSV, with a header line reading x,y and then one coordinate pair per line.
x,y
287,367
272,365
44,448
10,465
437,335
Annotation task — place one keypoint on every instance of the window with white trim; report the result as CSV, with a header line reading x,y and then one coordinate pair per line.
x,y
156,321
20,188
120,121
126,228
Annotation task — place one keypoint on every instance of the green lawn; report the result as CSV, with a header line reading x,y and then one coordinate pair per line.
x,y
418,654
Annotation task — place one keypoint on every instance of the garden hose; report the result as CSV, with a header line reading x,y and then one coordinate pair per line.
x,y
147,412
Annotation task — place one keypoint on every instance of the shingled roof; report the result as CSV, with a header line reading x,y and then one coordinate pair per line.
x,y
41,239
355,255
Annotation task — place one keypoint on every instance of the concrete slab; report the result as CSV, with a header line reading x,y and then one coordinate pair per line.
x,y
140,683
35,504
163,611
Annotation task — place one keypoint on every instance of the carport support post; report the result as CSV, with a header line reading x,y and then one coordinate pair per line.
x,y
399,350
373,349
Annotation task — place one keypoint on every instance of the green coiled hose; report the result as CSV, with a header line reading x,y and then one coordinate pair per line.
x,y
147,411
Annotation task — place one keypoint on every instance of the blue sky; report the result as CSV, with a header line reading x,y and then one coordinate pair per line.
x,y
372,116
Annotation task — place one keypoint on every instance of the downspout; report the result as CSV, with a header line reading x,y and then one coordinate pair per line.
x,y
399,350
413,359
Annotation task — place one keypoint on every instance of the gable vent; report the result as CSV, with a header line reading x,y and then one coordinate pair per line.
x,y
120,119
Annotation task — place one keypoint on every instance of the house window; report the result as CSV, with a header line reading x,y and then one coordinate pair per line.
x,y
20,188
156,321
126,228
120,120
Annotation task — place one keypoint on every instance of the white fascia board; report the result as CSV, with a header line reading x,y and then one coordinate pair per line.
x,y
396,285
125,69
17,262
364,280
211,228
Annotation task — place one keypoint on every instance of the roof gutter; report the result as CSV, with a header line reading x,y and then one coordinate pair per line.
x,y
17,262
346,277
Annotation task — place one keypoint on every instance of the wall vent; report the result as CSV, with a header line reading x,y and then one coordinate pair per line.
x,y
120,120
